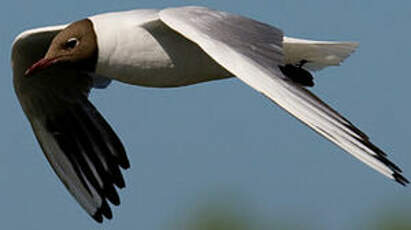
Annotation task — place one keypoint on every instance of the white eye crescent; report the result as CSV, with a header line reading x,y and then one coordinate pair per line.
x,y
71,43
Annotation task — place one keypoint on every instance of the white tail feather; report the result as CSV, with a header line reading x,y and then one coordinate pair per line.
x,y
318,54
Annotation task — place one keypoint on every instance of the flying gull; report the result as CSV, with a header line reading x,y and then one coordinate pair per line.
x,y
56,67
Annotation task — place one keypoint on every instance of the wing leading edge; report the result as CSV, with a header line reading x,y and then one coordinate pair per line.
x,y
252,51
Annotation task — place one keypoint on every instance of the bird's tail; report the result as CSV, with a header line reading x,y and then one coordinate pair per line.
x,y
316,54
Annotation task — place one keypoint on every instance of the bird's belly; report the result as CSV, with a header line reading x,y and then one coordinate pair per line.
x,y
156,56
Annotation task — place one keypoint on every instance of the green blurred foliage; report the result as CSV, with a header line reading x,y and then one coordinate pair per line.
x,y
390,219
231,214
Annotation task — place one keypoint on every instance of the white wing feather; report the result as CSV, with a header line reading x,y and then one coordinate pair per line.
x,y
243,53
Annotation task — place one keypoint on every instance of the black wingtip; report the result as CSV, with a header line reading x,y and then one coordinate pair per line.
x,y
111,194
400,179
103,211
94,151
125,164
388,163
106,210
98,217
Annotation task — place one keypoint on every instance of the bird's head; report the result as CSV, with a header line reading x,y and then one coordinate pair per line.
x,y
75,47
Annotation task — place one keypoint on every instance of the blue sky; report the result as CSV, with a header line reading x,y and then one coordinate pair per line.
x,y
222,139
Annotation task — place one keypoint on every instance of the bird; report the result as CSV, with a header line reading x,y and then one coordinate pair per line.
x,y
56,67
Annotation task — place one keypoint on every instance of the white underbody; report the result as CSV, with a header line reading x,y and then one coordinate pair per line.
x,y
154,55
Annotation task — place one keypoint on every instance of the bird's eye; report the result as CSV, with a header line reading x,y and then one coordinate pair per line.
x,y
71,43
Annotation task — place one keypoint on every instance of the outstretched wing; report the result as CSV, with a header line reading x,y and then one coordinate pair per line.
x,y
79,144
252,51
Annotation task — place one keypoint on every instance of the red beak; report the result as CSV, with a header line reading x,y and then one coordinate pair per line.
x,y
40,65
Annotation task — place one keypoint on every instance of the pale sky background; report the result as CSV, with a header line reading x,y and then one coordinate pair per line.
x,y
222,139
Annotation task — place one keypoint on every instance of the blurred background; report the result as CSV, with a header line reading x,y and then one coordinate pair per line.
x,y
218,155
